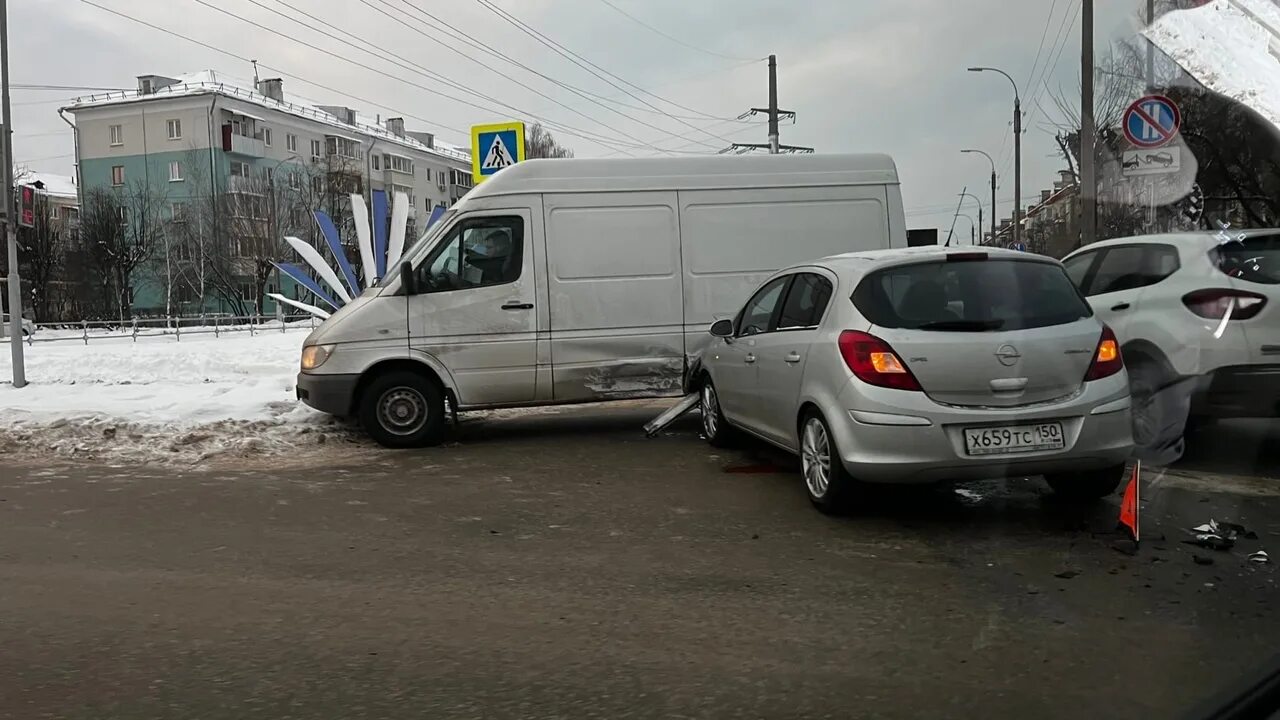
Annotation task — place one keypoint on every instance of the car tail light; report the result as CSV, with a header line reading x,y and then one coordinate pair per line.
x,y
874,362
1220,303
1107,360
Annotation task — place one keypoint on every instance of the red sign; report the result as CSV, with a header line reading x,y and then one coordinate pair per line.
x,y
26,206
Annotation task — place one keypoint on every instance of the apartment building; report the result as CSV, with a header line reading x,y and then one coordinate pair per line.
x,y
181,139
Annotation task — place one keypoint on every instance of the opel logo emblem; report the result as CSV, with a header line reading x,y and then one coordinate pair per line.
x,y
1008,355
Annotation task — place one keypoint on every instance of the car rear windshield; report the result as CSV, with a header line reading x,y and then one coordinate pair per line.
x,y
1256,259
970,296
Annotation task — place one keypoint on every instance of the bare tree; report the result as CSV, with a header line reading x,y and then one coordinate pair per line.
x,y
539,143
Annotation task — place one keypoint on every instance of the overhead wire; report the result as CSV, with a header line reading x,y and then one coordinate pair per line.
x,y
668,36
585,63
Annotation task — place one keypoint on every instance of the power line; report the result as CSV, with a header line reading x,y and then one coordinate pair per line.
x,y
1043,34
675,40
569,129
583,62
453,32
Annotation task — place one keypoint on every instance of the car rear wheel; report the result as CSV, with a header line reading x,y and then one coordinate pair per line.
x,y
1088,485
830,487
403,409
714,427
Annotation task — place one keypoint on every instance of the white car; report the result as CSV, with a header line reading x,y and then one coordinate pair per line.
x,y
28,327
1198,319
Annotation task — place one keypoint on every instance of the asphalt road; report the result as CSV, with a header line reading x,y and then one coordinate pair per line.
x,y
562,565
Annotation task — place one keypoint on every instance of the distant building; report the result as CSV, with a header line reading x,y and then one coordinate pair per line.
x,y
184,139
59,191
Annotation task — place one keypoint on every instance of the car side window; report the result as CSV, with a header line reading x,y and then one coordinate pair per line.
x,y
1078,269
758,315
806,300
1133,266
477,253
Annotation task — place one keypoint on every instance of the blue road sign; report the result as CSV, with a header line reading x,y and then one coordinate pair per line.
x,y
1020,247
1151,121
494,147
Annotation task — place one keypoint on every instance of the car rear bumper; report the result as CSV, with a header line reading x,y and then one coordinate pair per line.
x,y
333,394
1097,434
1238,391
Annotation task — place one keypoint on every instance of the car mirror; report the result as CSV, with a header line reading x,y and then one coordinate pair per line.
x,y
408,281
722,328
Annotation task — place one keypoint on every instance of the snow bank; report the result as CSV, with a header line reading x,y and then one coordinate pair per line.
x,y
1232,47
188,400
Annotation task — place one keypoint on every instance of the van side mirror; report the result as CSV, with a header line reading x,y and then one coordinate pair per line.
x,y
408,280
722,328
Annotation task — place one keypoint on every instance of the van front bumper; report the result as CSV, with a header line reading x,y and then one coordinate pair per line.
x,y
333,394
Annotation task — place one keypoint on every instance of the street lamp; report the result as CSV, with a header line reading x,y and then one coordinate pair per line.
x,y
993,188
1017,151
979,202
973,235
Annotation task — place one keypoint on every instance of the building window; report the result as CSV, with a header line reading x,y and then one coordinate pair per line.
x,y
375,163
340,146
427,173
403,189
53,212
246,292
175,171
317,184
117,173
117,135
317,149
291,142
295,179
123,213
266,136
73,215
240,169
178,212
175,129
398,164
271,175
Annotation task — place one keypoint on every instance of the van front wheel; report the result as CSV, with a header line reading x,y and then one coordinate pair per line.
x,y
403,409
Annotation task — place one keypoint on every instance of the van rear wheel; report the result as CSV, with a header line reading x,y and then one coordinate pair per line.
x,y
403,409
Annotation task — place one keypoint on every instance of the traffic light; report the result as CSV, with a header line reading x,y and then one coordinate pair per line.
x,y
26,206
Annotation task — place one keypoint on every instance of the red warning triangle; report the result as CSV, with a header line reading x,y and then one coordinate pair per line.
x,y
1129,505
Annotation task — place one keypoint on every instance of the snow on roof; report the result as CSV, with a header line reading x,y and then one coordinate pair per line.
x,y
212,81
54,184
1232,47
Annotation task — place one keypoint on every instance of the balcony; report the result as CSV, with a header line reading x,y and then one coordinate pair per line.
x,y
242,145
246,185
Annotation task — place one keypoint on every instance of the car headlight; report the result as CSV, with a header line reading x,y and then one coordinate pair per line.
x,y
313,356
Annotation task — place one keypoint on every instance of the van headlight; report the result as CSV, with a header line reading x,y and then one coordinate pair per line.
x,y
313,356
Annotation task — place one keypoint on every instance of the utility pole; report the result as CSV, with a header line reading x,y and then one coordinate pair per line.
x,y
774,114
993,190
10,229
1088,173
1017,154
978,202
773,104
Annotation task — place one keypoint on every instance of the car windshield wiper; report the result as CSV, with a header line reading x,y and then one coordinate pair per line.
x,y
974,325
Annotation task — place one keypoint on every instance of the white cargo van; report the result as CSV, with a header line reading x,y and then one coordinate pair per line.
x,y
569,281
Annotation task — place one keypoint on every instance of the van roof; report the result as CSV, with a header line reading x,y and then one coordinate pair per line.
x,y
714,172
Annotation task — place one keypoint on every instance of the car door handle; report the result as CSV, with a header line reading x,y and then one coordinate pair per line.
x,y
750,358
792,358
517,306
1121,306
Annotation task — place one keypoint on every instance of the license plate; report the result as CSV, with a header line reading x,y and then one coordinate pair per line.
x,y
1013,439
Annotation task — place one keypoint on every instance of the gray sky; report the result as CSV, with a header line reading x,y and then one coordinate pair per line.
x,y
883,76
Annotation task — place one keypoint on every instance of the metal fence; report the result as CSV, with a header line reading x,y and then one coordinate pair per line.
x,y
175,327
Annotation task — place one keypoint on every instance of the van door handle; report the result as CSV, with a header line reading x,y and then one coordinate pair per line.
x,y
794,357
1121,306
517,306
750,358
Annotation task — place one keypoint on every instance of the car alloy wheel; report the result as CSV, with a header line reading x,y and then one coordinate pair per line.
x,y
815,457
402,411
710,408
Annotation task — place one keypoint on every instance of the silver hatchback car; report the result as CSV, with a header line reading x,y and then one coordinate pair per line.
x,y
922,365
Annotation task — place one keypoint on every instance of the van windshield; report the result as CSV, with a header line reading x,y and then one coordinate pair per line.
x,y
427,238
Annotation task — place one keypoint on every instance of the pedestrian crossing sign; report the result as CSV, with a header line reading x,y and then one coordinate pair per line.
x,y
494,147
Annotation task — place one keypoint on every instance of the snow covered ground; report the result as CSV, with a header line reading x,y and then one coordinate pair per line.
x,y
1231,47
190,400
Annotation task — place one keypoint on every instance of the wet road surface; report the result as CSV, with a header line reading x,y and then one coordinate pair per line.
x,y
561,565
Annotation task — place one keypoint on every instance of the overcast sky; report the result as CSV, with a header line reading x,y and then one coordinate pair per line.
x,y
881,76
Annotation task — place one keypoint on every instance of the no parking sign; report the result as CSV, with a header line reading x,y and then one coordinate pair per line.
x,y
1152,121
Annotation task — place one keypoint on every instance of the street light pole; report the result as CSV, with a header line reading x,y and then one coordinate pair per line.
x,y
10,222
993,189
1017,150
979,203
1088,165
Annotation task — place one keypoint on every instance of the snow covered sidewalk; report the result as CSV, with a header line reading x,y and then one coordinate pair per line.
x,y
160,398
